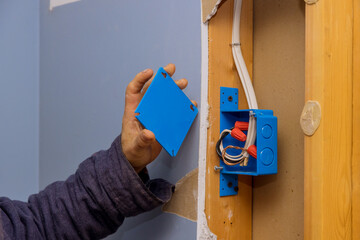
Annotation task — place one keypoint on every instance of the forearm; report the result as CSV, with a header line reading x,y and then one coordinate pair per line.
x,y
90,204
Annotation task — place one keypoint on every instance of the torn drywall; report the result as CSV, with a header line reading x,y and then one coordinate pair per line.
x,y
209,9
203,231
57,3
184,200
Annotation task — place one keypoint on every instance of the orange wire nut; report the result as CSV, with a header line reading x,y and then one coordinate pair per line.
x,y
243,126
252,151
238,134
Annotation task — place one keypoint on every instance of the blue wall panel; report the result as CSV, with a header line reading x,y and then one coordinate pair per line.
x,y
19,98
89,52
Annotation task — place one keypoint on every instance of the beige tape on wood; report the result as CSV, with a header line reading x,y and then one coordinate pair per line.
x,y
311,1
184,200
310,117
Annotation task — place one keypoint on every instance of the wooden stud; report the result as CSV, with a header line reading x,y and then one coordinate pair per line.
x,y
228,217
356,125
328,153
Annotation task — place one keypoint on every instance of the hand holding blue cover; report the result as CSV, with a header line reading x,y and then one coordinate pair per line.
x,y
167,112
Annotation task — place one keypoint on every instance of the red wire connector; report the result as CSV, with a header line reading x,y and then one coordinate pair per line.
x,y
252,151
243,126
238,134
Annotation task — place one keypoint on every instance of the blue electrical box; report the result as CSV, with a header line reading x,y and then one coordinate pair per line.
x,y
266,141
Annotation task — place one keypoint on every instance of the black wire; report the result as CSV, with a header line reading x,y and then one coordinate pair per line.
x,y
219,153
222,136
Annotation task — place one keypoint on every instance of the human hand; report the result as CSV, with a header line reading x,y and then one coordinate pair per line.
x,y
139,145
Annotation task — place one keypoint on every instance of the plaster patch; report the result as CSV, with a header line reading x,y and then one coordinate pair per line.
x,y
310,2
310,117
230,215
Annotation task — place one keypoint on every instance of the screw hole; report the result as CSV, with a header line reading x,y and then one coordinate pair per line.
x,y
164,74
236,188
230,184
230,98
235,93
222,102
223,93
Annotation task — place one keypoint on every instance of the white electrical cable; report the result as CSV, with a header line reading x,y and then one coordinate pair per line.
x,y
246,82
239,59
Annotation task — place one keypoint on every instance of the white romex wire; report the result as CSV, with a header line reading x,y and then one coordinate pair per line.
x,y
245,80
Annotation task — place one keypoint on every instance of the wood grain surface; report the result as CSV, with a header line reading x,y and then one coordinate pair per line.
x,y
228,217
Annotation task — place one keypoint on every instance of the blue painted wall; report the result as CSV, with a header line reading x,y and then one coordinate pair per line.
x,y
89,52
19,98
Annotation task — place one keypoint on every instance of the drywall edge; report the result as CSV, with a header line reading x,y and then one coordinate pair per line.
x,y
209,9
203,231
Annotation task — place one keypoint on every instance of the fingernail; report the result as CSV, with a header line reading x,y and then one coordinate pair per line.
x,y
146,70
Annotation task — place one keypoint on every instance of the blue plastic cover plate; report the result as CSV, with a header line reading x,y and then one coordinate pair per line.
x,y
167,112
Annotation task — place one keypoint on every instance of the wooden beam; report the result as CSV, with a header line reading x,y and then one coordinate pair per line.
x,y
356,125
328,153
228,217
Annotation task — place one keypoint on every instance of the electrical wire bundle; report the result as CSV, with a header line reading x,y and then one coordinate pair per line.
x,y
237,133
249,146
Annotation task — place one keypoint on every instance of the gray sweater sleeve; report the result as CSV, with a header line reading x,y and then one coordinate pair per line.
x,y
90,204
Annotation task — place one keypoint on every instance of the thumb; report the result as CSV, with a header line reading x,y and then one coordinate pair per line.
x,y
144,139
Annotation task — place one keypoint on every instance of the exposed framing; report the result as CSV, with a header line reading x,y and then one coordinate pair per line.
x,y
227,217
356,125
332,154
328,153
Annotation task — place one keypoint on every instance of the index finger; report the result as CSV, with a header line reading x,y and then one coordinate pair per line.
x,y
139,81
170,69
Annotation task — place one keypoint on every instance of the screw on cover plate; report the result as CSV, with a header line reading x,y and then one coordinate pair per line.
x,y
216,168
